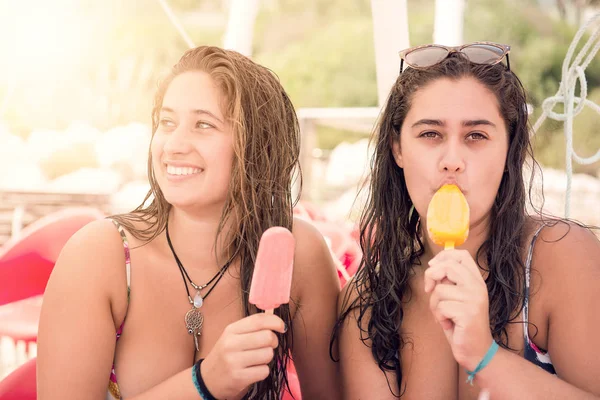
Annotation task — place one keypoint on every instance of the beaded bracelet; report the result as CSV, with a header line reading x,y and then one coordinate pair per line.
x,y
199,382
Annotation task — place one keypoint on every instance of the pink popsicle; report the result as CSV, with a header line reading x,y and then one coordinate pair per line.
x,y
272,277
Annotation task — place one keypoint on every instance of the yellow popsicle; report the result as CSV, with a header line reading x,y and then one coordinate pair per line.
x,y
448,217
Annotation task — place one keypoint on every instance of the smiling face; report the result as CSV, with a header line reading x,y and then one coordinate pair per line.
x,y
453,133
192,148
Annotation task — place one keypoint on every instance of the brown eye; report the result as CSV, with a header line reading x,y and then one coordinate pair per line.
x,y
166,123
476,136
203,125
429,135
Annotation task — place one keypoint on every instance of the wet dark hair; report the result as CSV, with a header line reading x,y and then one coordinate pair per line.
x,y
390,226
266,162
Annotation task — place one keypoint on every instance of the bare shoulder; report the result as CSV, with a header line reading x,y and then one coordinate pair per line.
x,y
567,257
310,245
313,262
93,256
84,302
306,234
564,246
97,243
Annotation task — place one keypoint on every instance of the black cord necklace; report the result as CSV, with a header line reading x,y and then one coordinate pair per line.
x,y
194,318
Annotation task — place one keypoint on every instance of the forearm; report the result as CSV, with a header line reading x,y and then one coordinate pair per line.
x,y
509,376
180,386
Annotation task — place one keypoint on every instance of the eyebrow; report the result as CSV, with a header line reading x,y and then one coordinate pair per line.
x,y
466,123
197,111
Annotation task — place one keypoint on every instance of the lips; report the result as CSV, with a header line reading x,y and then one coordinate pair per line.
x,y
450,181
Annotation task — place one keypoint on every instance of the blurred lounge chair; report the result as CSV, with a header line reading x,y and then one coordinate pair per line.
x,y
20,384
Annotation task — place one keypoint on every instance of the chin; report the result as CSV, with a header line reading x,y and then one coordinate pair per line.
x,y
198,203
183,199
179,202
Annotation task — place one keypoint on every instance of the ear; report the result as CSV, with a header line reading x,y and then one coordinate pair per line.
x,y
397,152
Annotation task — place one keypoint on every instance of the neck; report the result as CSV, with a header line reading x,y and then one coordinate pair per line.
x,y
193,238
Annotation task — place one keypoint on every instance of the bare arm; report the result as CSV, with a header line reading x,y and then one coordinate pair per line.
x,y
80,313
76,340
318,287
84,304
361,377
571,269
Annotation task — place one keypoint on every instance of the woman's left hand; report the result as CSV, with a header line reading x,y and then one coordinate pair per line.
x,y
459,302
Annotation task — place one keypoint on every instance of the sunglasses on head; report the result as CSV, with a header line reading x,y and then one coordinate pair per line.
x,y
431,54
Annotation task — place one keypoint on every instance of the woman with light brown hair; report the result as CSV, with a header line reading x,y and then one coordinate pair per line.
x,y
223,157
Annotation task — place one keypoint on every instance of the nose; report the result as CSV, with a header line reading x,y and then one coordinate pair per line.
x,y
452,159
178,142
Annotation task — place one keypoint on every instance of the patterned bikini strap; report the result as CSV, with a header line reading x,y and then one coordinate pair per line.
x,y
127,253
528,281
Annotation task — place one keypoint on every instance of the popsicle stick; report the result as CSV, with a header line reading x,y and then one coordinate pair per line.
x,y
269,311
448,246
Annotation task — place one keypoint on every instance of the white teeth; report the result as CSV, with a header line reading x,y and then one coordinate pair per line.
x,y
182,171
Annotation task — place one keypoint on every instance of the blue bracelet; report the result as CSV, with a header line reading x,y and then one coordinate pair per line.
x,y
482,364
199,382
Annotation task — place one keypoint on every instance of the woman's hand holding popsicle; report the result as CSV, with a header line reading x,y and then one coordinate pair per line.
x,y
242,355
461,305
459,296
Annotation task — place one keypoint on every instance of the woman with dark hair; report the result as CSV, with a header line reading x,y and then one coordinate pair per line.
x,y
514,310
171,278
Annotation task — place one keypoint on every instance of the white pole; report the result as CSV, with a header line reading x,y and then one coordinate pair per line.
x,y
176,23
449,21
240,26
390,31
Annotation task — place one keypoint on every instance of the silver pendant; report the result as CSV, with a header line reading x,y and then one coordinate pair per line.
x,y
193,323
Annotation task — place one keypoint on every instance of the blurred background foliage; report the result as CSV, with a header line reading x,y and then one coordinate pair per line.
x,y
322,50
